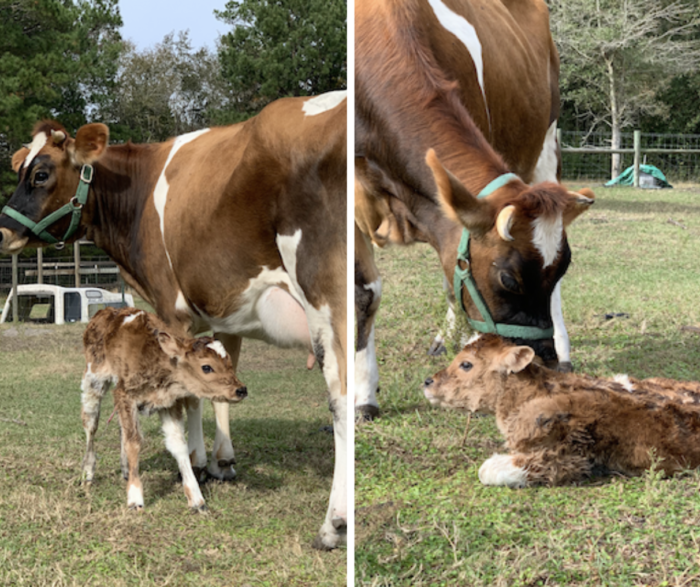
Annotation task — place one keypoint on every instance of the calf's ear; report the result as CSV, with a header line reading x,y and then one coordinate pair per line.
x,y
90,143
517,358
169,345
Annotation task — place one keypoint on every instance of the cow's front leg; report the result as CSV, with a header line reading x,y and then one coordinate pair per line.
x,y
174,433
131,446
222,455
561,336
195,437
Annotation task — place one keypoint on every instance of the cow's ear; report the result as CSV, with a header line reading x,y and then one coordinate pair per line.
x,y
517,358
457,202
18,158
577,204
169,345
90,143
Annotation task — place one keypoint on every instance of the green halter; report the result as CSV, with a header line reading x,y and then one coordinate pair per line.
x,y
74,207
463,277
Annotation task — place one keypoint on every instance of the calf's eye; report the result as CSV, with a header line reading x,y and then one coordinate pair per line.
x,y
465,365
207,369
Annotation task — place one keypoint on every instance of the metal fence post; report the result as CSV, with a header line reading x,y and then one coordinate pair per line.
x,y
40,265
637,155
76,260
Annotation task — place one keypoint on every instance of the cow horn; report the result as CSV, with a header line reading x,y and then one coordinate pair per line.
x,y
504,222
58,136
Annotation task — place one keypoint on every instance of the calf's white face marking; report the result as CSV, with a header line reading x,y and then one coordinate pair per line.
x,y
160,192
323,103
547,236
218,348
132,317
37,145
466,33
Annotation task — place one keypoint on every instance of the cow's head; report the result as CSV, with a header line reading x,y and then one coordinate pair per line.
x,y
476,377
46,206
203,367
517,252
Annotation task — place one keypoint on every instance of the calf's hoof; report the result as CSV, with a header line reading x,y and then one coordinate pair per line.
x,y
366,413
133,507
222,469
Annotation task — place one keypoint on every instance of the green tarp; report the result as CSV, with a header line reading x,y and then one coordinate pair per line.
x,y
649,177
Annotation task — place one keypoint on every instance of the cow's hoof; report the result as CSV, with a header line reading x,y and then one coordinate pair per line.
x,y
366,413
136,508
222,470
200,509
437,349
565,367
200,474
328,541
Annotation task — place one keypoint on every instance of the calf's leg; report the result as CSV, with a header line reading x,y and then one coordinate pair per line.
x,y
94,387
131,446
543,467
174,432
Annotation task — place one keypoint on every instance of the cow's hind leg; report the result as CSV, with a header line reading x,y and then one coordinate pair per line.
x,y
543,467
93,387
174,432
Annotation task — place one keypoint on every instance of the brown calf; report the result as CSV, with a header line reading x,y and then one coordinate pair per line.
x,y
152,371
561,428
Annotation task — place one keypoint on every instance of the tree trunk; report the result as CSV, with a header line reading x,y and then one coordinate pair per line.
x,y
614,122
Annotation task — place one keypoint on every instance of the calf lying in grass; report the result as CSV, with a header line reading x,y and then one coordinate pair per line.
x,y
152,371
561,428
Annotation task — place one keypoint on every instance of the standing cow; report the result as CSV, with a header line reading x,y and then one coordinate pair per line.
x,y
239,229
463,78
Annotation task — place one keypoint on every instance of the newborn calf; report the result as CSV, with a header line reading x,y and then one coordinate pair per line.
x,y
560,428
152,371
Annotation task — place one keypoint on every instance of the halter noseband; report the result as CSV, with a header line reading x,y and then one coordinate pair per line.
x,y
463,277
74,207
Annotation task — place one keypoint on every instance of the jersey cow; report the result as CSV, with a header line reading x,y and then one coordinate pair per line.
x,y
238,229
477,84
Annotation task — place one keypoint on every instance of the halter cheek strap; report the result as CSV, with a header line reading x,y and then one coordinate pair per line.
x,y
463,278
74,208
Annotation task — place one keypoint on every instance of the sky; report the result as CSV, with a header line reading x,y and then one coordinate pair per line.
x,y
146,22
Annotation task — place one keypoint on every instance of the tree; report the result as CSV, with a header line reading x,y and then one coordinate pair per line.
x,y
57,59
282,48
617,54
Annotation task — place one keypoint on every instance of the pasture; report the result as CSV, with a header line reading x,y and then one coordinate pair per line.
x,y
258,530
423,518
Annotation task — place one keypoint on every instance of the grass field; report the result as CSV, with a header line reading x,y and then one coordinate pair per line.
x,y
422,516
259,529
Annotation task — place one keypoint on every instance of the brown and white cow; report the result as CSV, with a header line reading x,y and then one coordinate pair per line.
x,y
469,80
562,428
238,229
151,371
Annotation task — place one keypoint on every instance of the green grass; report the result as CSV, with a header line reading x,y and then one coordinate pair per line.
x,y
423,518
259,529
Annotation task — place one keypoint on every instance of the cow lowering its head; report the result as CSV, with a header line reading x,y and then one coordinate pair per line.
x,y
152,371
560,427
515,250
54,174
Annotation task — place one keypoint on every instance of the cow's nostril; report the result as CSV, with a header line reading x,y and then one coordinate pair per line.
x,y
428,382
242,392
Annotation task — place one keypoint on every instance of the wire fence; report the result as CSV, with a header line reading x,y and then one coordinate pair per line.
x,y
676,166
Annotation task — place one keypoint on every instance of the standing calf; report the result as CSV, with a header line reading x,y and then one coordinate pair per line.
x,y
151,371
561,428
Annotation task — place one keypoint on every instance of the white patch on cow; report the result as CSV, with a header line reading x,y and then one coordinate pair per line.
x,y
546,169
132,317
181,303
466,33
134,496
561,336
624,380
195,434
500,470
37,145
218,348
324,102
547,234
160,192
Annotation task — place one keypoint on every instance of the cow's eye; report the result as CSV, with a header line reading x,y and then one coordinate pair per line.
x,y
41,177
465,365
207,369
509,282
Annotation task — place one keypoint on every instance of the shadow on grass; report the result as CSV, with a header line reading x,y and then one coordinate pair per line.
x,y
648,207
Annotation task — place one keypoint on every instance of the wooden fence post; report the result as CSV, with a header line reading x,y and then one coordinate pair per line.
x,y
637,155
15,291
